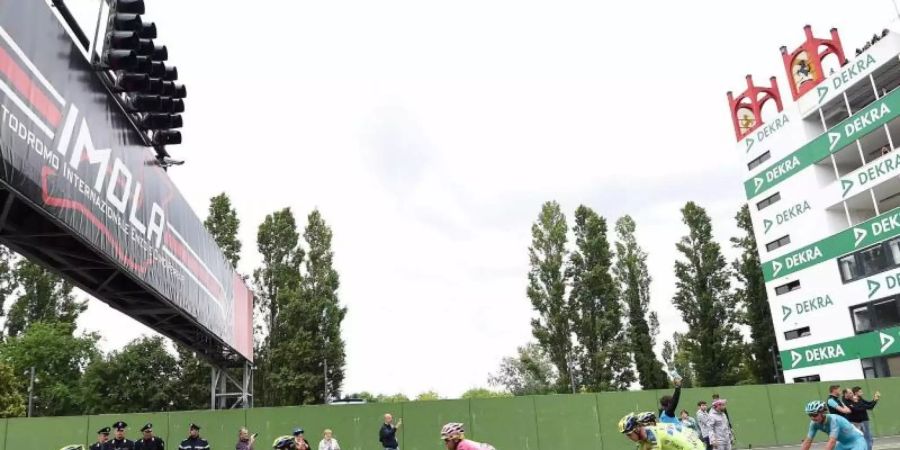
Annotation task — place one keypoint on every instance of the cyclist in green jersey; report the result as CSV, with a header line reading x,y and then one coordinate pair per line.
x,y
663,436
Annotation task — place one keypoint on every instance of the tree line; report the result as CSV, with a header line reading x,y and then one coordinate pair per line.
x,y
298,343
593,327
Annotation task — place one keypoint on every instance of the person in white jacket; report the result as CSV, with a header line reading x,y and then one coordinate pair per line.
x,y
328,442
703,422
719,429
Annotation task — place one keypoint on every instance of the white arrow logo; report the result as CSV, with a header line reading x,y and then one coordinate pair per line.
x,y
776,267
833,139
758,182
795,359
886,341
859,234
822,91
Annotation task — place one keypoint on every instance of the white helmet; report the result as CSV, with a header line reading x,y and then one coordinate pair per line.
x,y
452,430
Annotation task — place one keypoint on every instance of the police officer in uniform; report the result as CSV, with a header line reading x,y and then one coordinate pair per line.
x,y
102,440
194,441
149,442
120,442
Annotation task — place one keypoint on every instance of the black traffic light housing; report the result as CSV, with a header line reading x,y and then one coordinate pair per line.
x,y
145,84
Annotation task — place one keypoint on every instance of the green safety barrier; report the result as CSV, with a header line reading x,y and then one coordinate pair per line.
x,y
763,415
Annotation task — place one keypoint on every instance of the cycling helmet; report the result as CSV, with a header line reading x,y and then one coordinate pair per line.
x,y
452,431
73,447
646,418
628,423
283,442
815,407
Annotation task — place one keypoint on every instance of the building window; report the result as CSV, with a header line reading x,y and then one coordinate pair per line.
x,y
768,201
869,261
798,333
882,313
882,367
758,160
780,242
785,288
807,379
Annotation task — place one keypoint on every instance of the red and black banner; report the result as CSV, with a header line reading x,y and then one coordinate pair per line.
x,y
66,145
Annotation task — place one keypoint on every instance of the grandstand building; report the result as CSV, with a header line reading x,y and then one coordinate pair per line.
x,y
824,195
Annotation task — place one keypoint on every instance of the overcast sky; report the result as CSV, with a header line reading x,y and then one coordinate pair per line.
x,y
430,133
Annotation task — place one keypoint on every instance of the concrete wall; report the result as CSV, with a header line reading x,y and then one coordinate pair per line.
x,y
763,416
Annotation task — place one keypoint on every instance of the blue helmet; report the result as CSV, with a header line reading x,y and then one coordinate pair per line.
x,y
815,407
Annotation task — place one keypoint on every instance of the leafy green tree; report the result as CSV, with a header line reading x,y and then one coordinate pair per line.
x,y
428,395
277,283
631,273
365,395
7,276
59,359
751,294
702,295
193,380
483,393
141,377
12,403
395,398
320,298
278,243
305,339
43,297
547,287
222,223
529,373
596,307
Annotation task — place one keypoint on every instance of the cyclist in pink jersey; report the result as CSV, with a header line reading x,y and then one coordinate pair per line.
x,y
454,438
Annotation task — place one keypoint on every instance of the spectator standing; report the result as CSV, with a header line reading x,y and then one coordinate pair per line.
x,y
720,435
120,442
245,440
300,442
194,441
388,433
703,422
835,403
688,422
669,404
149,441
715,397
328,441
102,440
859,413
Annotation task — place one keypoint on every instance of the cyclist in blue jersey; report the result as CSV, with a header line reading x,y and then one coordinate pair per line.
x,y
842,435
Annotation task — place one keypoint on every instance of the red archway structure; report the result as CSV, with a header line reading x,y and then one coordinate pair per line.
x,y
804,65
746,109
